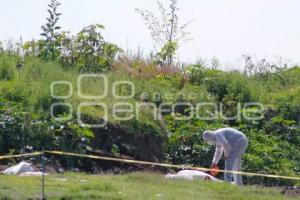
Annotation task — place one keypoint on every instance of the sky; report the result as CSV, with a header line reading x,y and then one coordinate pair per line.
x,y
226,29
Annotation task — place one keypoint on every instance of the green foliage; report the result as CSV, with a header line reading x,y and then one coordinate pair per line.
x,y
7,68
185,145
16,93
88,52
115,150
269,154
233,84
166,52
197,74
137,186
25,132
288,103
26,124
1,48
285,129
145,139
50,32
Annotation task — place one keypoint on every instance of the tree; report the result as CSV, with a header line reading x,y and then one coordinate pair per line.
x,y
166,31
88,51
50,31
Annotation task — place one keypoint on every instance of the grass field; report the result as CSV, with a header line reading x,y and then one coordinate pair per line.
x,y
137,186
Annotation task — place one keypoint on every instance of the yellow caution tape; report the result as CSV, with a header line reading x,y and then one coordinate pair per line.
x,y
20,155
169,165
147,163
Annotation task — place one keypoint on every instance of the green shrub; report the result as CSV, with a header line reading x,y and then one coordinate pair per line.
x,y
288,104
22,132
185,145
7,68
268,154
234,84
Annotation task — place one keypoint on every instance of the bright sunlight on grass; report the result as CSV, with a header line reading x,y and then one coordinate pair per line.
x,y
137,186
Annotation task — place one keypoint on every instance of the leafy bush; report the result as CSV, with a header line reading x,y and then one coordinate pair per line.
x,y
268,154
88,52
22,132
185,145
288,104
232,83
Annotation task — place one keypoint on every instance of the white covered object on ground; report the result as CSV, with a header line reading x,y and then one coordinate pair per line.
x,y
19,168
33,174
191,175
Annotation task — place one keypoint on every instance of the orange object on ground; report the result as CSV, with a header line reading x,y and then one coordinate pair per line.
x,y
214,170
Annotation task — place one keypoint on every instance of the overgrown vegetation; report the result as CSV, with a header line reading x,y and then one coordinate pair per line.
x,y
25,101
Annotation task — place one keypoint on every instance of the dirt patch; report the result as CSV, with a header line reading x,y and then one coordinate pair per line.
x,y
3,167
291,191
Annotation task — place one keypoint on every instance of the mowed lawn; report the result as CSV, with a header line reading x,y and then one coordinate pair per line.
x,y
136,186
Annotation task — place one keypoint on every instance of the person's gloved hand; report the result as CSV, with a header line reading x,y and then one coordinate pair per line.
x,y
214,169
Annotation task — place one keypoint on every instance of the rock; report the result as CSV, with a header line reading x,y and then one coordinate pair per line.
x,y
19,168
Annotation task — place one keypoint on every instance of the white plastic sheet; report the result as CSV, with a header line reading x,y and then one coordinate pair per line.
x,y
191,175
19,168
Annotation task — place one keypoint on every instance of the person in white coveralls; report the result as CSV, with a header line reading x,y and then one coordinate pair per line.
x,y
233,144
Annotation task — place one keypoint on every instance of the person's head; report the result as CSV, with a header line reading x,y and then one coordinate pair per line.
x,y
209,137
